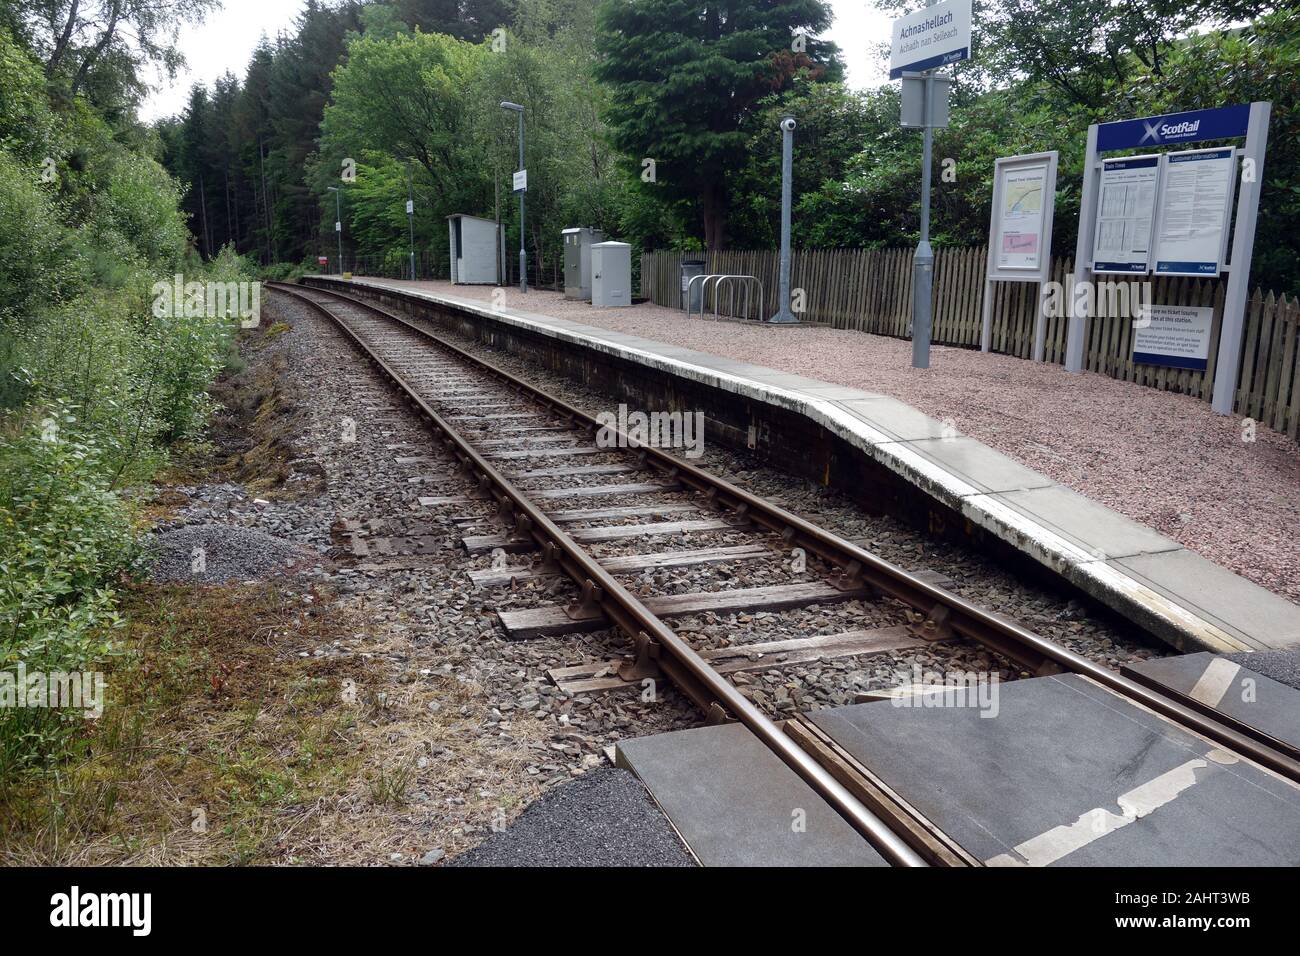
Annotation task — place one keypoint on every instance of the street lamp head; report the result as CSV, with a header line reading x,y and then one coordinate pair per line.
x,y
507,105
332,189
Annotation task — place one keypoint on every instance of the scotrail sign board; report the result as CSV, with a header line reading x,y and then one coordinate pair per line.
x,y
1226,122
931,37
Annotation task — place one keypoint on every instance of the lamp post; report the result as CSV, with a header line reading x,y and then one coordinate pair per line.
x,y
338,221
783,313
410,215
523,254
923,259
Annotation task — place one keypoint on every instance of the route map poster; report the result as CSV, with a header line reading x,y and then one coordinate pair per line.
x,y
1122,241
1020,227
1195,200
1019,241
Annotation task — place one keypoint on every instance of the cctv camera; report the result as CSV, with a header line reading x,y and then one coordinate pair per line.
x,y
787,124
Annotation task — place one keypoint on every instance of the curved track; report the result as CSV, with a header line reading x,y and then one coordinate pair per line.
x,y
497,427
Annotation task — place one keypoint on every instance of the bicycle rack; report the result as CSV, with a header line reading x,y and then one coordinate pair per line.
x,y
729,282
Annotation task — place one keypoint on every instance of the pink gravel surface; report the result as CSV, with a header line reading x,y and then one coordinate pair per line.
x,y
1160,458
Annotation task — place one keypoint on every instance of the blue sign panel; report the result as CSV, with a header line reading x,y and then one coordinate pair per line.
x,y
932,63
1170,361
1223,123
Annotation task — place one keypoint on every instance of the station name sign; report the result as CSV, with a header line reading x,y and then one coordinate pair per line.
x,y
930,38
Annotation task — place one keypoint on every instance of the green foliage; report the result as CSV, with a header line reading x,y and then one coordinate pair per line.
x,y
412,88
683,83
63,537
94,384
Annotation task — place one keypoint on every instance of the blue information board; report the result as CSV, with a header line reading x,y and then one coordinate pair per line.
x,y
1193,126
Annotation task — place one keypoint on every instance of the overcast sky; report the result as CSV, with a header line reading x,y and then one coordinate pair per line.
x,y
225,41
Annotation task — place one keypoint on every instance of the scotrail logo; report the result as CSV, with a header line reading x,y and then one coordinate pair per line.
x,y
1158,132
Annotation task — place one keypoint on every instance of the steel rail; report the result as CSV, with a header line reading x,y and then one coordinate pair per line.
x,y
858,566
631,616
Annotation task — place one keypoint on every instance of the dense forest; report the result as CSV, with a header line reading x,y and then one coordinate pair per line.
x,y
409,92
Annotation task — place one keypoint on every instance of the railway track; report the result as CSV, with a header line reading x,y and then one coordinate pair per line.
x,y
564,497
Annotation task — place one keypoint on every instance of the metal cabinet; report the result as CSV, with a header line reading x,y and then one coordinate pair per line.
x,y
611,274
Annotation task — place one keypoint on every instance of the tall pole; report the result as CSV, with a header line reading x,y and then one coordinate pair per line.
x,y
523,253
410,215
1243,245
338,222
923,261
783,313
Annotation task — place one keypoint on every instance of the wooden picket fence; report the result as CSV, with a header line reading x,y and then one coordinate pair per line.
x,y
870,290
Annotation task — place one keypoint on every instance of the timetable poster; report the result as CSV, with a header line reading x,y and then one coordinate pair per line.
x,y
1122,242
1195,199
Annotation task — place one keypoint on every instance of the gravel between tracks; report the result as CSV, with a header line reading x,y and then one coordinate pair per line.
x,y
604,818
1162,459
1086,629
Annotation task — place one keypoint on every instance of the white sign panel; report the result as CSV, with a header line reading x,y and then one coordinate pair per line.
x,y
521,181
930,38
1178,336
410,207
1125,212
1020,234
1195,201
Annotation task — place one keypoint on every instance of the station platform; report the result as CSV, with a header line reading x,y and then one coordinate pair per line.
x,y
1147,577
1049,771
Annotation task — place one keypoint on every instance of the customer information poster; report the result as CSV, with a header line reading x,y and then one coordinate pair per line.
x,y
1177,336
1195,201
1122,242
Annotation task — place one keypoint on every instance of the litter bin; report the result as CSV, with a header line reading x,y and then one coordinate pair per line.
x,y
690,268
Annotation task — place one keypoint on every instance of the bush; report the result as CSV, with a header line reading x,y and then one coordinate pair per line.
x,y
64,536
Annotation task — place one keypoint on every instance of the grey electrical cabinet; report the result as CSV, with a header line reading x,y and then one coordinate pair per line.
x,y
577,261
611,274
473,244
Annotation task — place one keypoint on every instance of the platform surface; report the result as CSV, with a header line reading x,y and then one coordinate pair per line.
x,y
1065,773
1228,687
1152,580
736,804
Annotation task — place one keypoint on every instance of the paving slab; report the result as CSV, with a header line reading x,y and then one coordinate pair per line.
x,y
1255,616
898,420
1094,528
1058,771
1227,687
736,804
979,465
